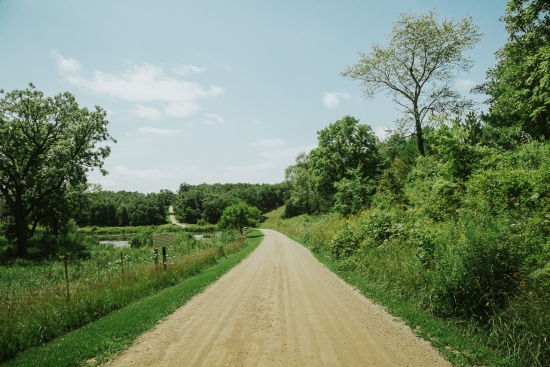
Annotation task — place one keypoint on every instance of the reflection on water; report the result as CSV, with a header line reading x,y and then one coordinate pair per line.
x,y
121,244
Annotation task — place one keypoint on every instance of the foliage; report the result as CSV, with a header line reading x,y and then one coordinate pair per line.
x,y
47,146
239,216
207,202
417,66
346,150
518,85
123,208
34,294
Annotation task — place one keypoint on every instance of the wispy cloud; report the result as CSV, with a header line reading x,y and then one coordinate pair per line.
x,y
465,84
381,132
66,65
144,112
213,116
181,109
157,131
188,69
256,122
141,83
270,142
332,100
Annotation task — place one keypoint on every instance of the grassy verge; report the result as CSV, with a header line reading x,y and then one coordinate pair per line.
x,y
271,218
449,340
99,340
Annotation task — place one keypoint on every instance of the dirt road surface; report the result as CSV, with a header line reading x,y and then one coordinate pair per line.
x,y
173,217
280,307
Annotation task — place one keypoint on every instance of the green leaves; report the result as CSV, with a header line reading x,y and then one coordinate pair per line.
x,y
239,216
46,147
518,85
417,66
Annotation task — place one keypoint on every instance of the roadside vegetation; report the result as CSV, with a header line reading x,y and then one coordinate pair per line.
x,y
41,301
99,340
451,211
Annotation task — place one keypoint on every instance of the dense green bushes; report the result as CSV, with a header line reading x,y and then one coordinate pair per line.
x,y
472,248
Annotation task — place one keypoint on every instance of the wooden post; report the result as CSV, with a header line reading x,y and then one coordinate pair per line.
x,y
156,252
66,276
122,266
164,258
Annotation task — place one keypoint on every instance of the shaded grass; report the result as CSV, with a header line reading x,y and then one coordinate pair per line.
x,y
96,342
448,339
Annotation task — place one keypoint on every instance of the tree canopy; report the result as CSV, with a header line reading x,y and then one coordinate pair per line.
x,y
519,84
239,216
47,145
418,65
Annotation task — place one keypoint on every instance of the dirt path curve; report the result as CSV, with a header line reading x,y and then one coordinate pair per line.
x,y
173,217
280,307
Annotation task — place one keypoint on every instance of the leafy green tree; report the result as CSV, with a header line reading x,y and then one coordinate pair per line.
x,y
298,178
418,65
46,146
519,85
344,146
353,193
239,216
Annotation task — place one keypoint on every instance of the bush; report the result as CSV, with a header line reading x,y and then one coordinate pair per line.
x,y
479,273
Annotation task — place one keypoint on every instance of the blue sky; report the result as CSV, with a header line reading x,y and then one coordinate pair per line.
x,y
214,91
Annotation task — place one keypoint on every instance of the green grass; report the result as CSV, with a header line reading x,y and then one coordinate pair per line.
x,y
96,342
449,340
273,216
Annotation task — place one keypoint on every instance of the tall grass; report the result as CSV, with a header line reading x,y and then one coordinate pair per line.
x,y
472,272
34,306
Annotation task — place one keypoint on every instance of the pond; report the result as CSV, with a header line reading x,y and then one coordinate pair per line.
x,y
120,244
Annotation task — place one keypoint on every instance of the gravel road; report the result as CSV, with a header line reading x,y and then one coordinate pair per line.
x,y
280,307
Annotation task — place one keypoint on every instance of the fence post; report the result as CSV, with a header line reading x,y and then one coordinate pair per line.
x,y
164,258
122,266
66,275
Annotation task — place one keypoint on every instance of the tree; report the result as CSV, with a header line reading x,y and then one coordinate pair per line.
x,y
239,216
47,145
418,65
519,85
298,177
344,146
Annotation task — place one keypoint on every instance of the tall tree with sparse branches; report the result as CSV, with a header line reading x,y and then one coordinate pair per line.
x,y
418,65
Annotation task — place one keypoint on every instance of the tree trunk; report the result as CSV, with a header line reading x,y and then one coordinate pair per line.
x,y
420,137
21,228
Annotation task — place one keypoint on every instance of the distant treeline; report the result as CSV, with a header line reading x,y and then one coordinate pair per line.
x,y
123,208
206,202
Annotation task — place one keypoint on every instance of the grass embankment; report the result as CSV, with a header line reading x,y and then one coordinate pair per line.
x,y
271,218
389,276
45,314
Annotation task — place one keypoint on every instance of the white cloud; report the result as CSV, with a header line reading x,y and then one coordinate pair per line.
x,y
186,69
270,142
181,109
381,132
465,84
157,131
213,116
66,65
332,100
256,122
144,112
141,83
